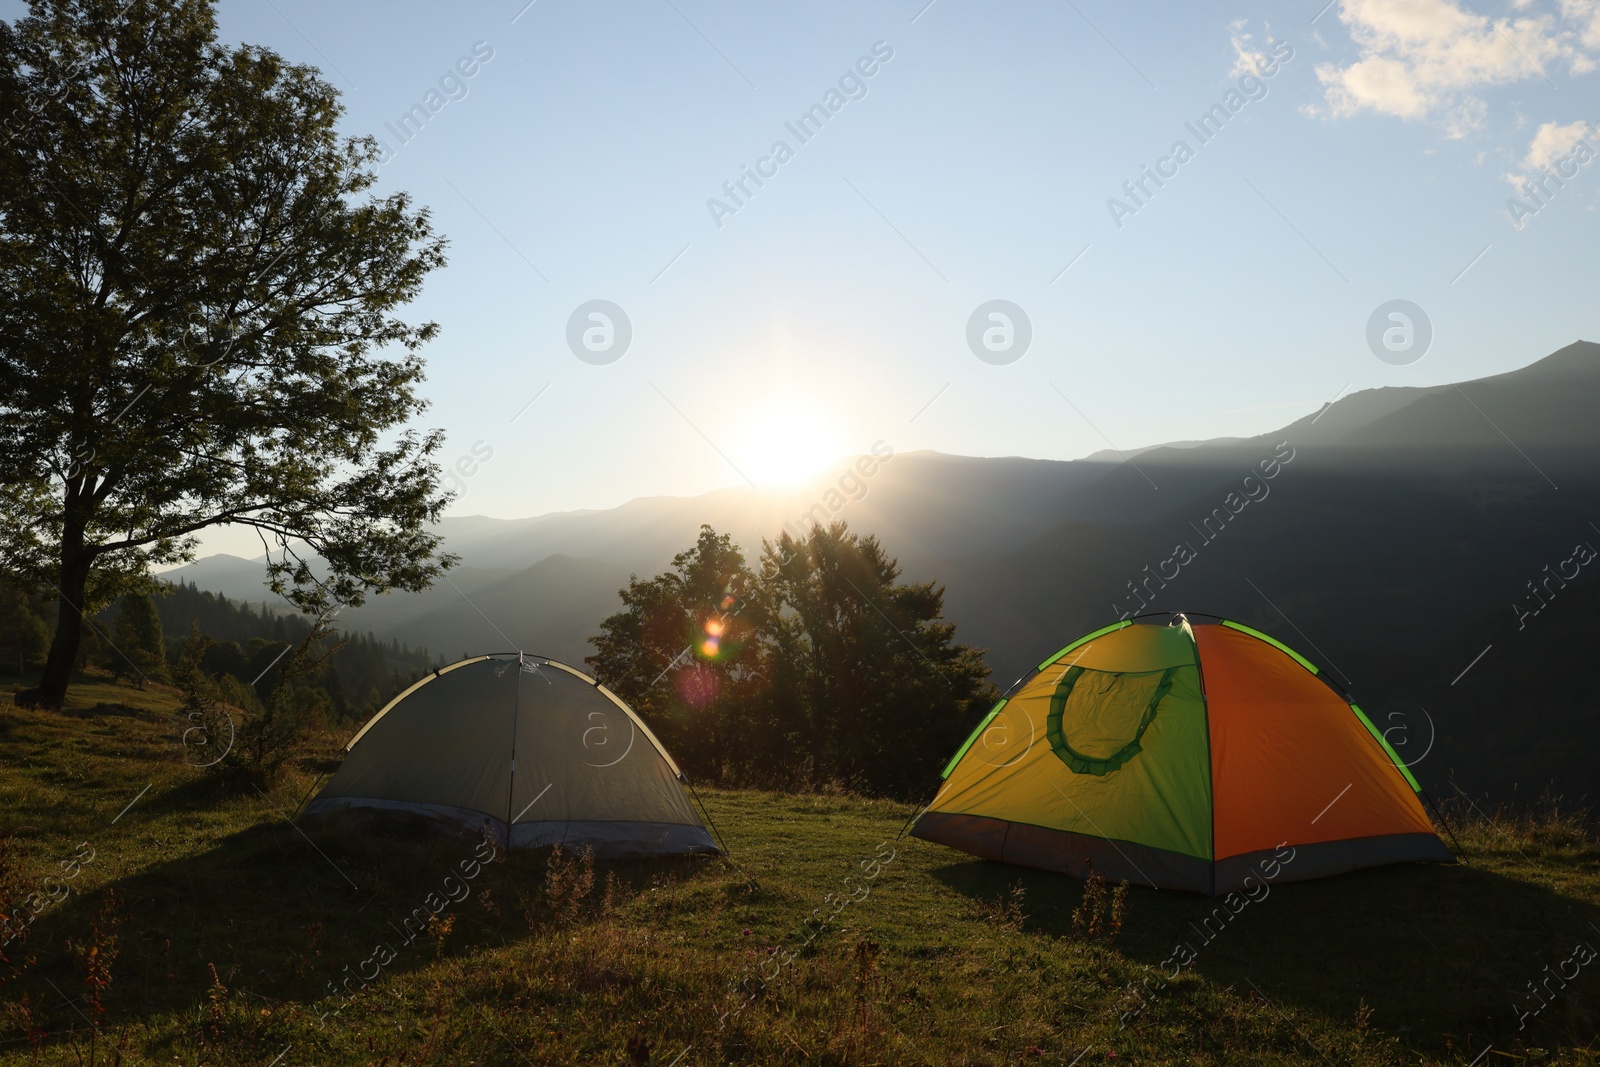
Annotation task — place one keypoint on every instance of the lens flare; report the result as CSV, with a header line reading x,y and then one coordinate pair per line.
x,y
697,685
715,627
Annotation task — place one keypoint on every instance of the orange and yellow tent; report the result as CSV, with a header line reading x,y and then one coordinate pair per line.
x,y
1186,756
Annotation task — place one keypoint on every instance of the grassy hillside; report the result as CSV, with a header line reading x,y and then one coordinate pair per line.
x,y
226,932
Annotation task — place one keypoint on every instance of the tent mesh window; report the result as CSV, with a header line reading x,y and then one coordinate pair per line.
x,y
1097,717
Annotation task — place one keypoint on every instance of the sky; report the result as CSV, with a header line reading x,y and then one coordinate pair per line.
x,y
1358,154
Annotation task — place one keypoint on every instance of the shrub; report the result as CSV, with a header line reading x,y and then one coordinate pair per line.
x,y
242,741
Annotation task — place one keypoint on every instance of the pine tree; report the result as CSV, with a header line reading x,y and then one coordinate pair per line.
x,y
137,645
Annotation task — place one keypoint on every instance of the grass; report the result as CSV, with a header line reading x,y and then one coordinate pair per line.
x,y
234,930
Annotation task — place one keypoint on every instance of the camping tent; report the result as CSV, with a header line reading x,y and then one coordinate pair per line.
x,y
541,753
1180,756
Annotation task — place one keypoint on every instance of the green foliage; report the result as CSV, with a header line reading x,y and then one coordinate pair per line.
x,y
137,647
200,299
866,670
206,729
820,669
24,631
362,674
243,740
685,653
276,730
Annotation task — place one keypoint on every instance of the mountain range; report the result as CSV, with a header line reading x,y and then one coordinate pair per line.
x,y
1381,535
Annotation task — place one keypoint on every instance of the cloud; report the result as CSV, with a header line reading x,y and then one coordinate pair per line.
x,y
1427,60
1553,143
1585,15
1248,59
1557,156
1556,147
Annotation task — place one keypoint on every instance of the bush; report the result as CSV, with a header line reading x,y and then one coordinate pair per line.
x,y
242,740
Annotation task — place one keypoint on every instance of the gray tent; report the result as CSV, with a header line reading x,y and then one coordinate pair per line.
x,y
541,753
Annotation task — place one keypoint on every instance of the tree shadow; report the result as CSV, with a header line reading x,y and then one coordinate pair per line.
x,y
285,913
1442,955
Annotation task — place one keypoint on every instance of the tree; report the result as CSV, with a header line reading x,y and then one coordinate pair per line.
x,y
24,633
198,318
867,674
137,644
682,653
825,669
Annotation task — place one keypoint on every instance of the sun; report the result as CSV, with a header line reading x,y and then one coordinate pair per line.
x,y
785,445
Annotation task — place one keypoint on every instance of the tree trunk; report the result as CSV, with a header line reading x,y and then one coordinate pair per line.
x,y
74,581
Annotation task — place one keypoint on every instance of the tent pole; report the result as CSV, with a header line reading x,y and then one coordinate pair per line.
x,y
516,715
920,807
713,824
709,821
1423,793
307,797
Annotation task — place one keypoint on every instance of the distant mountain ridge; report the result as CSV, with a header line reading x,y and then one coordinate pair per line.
x,y
1403,512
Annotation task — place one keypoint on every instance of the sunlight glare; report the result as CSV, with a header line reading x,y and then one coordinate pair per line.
x,y
787,445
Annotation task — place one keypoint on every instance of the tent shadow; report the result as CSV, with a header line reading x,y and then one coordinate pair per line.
x,y
290,913
1439,953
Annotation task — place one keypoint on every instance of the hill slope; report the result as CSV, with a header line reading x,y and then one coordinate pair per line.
x,y
241,938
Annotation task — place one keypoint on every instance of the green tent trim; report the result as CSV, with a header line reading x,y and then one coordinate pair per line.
x,y
1393,755
989,718
1274,642
1084,640
1377,735
962,751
